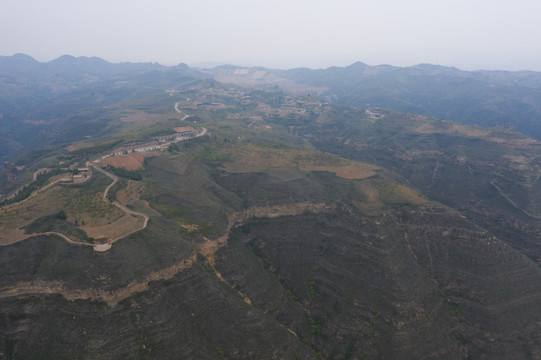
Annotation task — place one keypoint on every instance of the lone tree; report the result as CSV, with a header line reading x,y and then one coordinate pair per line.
x,y
62,215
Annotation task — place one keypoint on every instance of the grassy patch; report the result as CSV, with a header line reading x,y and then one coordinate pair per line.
x,y
247,157
58,223
128,174
398,193
27,190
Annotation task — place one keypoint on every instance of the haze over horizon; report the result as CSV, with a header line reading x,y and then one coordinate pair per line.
x,y
495,35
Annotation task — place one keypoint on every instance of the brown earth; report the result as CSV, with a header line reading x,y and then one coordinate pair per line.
x,y
130,193
131,161
257,159
252,159
465,130
101,218
15,216
107,296
453,128
114,229
58,177
372,205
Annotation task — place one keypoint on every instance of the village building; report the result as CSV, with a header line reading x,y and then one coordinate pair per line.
x,y
185,131
82,175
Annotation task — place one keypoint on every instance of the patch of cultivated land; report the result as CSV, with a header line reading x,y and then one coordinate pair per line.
x,y
89,211
451,128
251,158
377,194
130,193
351,170
115,229
133,161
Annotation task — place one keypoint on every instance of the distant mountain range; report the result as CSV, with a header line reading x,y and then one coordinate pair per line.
x,y
34,95
21,64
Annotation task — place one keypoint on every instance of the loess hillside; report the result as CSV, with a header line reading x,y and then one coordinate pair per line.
x,y
286,228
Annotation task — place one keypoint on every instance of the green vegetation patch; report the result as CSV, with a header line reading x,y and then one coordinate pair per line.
x,y
96,149
92,208
57,222
238,157
129,174
27,190
398,193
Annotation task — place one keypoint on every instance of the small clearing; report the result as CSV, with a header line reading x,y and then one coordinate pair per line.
x,y
131,192
353,171
446,127
372,205
89,211
132,161
115,229
252,159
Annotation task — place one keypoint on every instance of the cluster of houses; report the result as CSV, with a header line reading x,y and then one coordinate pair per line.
x,y
373,113
160,143
78,176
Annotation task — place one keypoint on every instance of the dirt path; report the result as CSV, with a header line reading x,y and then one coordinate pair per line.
x,y
180,112
493,183
121,207
106,246
34,193
28,236
97,247
202,133
112,298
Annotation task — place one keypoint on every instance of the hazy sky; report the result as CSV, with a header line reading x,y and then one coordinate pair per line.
x,y
468,34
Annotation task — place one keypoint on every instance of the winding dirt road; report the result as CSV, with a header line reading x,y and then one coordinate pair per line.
x,y
34,193
97,247
180,112
28,236
207,249
121,207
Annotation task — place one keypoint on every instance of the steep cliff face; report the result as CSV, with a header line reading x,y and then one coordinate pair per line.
x,y
193,315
